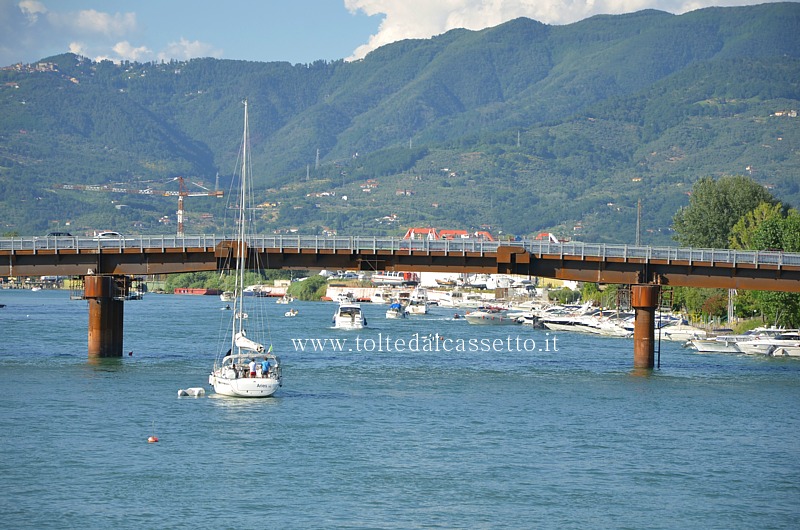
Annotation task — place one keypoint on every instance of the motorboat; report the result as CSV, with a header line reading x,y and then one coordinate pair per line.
x,y
226,296
291,313
786,351
381,296
345,298
349,316
285,299
729,343
395,278
783,344
681,332
257,290
247,368
461,299
396,310
418,302
490,317
718,344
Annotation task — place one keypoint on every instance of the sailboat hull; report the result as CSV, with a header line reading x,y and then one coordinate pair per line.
x,y
255,387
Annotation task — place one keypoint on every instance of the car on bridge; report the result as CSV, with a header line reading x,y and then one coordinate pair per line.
x,y
107,235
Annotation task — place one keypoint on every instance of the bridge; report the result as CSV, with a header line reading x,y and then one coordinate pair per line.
x,y
106,264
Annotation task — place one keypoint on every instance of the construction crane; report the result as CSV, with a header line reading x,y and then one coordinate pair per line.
x,y
181,193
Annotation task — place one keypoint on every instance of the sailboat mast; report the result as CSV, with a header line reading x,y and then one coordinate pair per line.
x,y
240,265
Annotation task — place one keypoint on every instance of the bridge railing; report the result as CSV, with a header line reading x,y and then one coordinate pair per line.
x,y
394,244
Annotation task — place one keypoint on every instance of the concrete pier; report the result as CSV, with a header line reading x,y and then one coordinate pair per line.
x,y
106,295
644,300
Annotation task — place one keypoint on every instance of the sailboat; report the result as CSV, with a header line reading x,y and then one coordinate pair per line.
x,y
247,368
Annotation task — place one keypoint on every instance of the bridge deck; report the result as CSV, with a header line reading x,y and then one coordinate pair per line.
x,y
605,263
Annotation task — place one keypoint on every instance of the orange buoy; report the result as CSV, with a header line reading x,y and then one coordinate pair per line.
x,y
152,439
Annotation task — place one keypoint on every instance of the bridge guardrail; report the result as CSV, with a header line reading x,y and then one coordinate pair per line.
x,y
394,244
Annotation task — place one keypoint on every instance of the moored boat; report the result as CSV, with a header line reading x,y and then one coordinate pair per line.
x,y
395,278
381,296
785,342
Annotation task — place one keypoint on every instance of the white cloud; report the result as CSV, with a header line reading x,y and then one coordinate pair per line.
x,y
185,49
32,9
418,19
78,48
126,52
90,21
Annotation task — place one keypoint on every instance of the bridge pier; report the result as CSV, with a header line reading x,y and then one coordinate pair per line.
x,y
106,310
644,300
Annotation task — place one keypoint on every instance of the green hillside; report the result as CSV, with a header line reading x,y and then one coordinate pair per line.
x,y
522,127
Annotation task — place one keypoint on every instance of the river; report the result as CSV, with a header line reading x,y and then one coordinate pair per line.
x,y
535,430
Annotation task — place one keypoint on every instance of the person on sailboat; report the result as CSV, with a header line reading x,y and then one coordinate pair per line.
x,y
265,367
252,367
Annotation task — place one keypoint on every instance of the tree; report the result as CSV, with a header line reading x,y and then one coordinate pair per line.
x,y
715,207
741,237
779,233
312,288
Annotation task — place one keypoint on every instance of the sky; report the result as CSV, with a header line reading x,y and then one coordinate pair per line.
x,y
297,31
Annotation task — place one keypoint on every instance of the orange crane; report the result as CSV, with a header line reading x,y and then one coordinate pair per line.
x,y
181,193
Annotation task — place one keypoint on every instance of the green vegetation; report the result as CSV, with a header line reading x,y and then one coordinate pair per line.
x,y
312,288
224,282
738,211
523,128
715,207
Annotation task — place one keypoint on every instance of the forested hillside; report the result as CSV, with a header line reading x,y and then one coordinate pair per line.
x,y
522,128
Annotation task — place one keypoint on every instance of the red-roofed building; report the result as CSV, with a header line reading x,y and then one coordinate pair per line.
x,y
421,233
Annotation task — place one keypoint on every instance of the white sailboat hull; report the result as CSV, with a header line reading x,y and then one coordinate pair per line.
x,y
246,387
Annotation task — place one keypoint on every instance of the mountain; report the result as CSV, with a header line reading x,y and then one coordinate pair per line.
x,y
520,128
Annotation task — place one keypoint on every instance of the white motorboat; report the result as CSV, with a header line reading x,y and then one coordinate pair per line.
x,y
786,351
730,343
395,278
257,290
345,298
396,310
349,316
285,299
381,296
226,296
459,299
418,302
291,313
719,344
248,368
681,332
783,344
490,317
